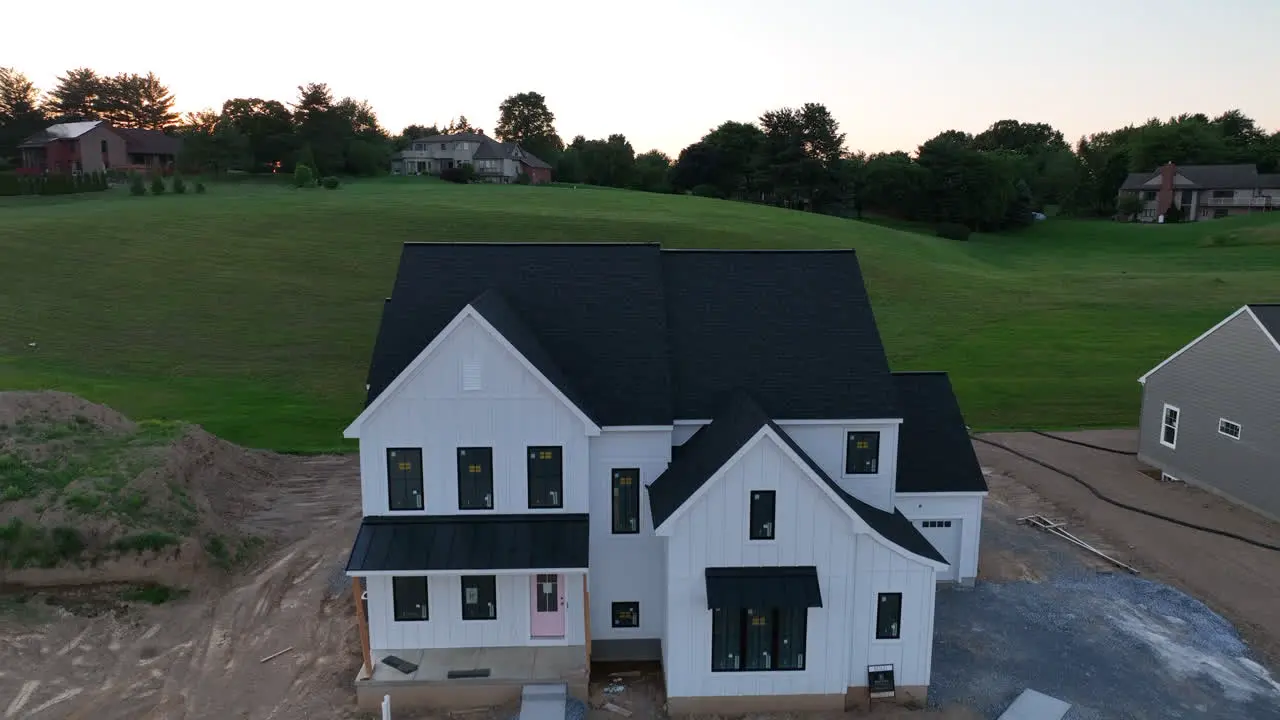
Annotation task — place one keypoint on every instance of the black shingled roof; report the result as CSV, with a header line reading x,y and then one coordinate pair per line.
x,y
934,450
711,447
1269,315
471,542
597,310
645,336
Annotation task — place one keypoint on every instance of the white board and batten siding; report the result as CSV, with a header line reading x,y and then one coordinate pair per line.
x,y
509,410
959,543
810,529
626,567
825,443
445,627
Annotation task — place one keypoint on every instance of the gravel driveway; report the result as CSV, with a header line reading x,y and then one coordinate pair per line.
x,y
1053,618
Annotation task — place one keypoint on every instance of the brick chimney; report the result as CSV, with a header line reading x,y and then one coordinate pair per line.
x,y
1164,198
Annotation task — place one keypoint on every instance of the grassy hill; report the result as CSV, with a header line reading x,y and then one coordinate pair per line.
x,y
252,310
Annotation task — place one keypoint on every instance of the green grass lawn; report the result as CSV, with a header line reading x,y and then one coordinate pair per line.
x,y
252,309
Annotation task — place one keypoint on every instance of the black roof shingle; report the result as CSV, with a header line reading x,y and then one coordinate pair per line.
x,y
646,336
1269,315
471,542
934,450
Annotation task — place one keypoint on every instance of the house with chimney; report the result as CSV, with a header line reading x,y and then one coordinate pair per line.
x,y
492,160
1203,192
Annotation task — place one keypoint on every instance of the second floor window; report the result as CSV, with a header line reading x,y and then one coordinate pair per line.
x,y
862,454
546,477
626,501
475,478
404,478
762,512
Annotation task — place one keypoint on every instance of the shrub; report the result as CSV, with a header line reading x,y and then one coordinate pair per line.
x,y
10,184
453,175
706,190
179,185
524,179
136,186
150,540
330,182
303,176
157,185
199,188
953,231
1173,214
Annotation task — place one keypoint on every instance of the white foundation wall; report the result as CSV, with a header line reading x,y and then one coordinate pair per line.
x,y
825,443
626,567
447,629
511,411
810,530
881,569
965,508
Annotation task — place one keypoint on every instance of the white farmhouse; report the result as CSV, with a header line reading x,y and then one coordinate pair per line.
x,y
574,453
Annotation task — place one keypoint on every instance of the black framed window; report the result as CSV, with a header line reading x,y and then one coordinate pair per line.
x,y
626,501
479,597
475,478
862,453
763,503
404,478
888,616
546,477
626,614
756,640
409,595
1148,195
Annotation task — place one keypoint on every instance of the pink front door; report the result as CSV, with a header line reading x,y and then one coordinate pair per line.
x,y
546,619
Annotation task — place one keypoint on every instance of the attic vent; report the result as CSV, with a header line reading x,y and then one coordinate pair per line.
x,y
471,379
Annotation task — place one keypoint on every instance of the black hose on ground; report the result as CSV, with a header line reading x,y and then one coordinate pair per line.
x,y
1084,444
1131,508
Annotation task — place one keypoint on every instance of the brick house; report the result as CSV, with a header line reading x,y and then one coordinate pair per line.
x,y
94,145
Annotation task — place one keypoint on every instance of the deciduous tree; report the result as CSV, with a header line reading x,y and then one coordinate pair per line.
x,y
524,118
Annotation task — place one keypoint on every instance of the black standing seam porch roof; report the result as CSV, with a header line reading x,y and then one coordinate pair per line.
x,y
763,587
471,542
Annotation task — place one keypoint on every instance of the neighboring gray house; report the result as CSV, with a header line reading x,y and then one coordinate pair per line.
x,y
1203,192
493,161
1211,412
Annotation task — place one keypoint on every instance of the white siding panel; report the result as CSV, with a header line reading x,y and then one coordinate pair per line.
x,y
825,444
810,530
626,568
512,411
447,629
882,570
965,508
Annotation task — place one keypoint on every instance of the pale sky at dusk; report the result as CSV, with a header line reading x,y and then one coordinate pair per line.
x,y
663,72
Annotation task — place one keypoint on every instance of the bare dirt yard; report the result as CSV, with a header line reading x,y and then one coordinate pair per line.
x,y
1237,580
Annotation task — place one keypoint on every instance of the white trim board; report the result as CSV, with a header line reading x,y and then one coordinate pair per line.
x,y
1243,309
419,362
860,525
460,573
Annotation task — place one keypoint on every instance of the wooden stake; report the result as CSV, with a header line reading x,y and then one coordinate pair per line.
x,y
586,620
276,654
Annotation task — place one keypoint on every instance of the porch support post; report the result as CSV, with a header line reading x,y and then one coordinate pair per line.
x,y
362,622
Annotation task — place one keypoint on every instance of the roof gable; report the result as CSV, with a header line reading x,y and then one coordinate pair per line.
x,y
742,424
539,365
1267,322
935,453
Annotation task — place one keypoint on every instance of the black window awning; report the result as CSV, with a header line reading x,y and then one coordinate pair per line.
x,y
551,541
763,587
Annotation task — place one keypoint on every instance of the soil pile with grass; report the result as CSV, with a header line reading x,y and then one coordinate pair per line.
x,y
87,495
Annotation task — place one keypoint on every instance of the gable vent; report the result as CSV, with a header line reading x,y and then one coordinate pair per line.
x,y
471,377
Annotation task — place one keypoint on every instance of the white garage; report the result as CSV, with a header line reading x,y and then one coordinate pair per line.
x,y
947,536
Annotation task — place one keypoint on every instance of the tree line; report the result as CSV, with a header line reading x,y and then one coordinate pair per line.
x,y
790,157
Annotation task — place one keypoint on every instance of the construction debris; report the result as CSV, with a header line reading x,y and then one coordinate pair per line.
x,y
616,709
276,654
1057,528
625,674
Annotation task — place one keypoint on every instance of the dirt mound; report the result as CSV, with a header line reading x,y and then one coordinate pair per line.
x,y
87,495
51,406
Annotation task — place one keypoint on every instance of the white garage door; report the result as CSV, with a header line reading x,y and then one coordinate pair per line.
x,y
945,536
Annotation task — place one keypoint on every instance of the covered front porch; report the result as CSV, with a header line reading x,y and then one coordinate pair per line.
x,y
452,678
